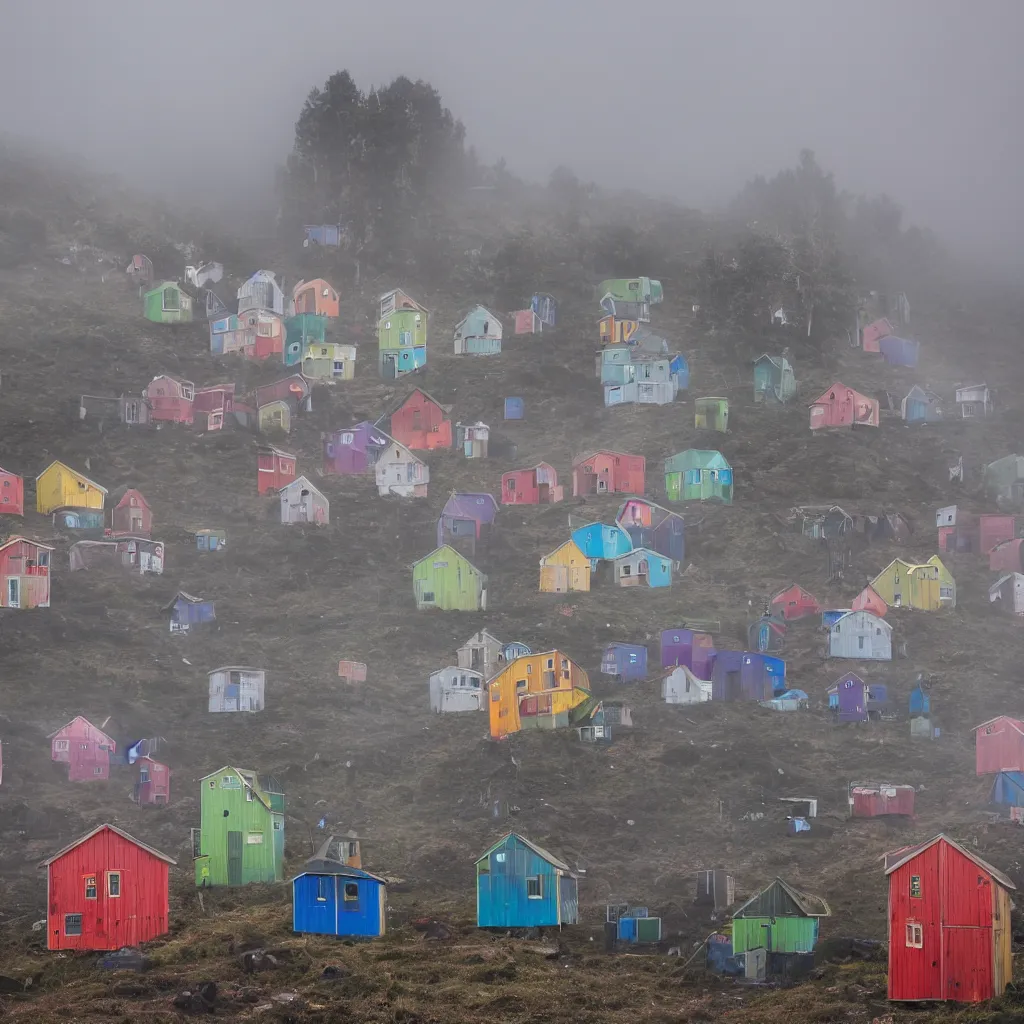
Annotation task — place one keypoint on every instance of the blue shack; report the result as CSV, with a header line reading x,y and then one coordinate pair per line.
x,y
515,649
898,351
1008,789
546,308
514,409
187,611
920,702
334,896
624,661
211,540
519,885
597,541
921,406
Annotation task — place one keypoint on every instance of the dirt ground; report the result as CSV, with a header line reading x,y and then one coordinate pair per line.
x,y
672,795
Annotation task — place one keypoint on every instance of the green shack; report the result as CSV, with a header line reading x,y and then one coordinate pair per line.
x,y
301,331
711,414
779,919
774,382
696,475
241,834
445,579
632,289
167,304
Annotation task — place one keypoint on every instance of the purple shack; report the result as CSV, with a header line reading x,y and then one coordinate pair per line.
x,y
624,662
850,699
687,647
465,520
746,675
353,450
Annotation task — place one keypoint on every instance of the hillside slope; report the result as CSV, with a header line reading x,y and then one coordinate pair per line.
x,y
672,795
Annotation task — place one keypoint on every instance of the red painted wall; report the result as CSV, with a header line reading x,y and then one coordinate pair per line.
x,y
999,747
12,494
874,804
121,515
34,578
273,471
992,529
1006,557
420,425
108,922
795,604
625,474
519,488
956,957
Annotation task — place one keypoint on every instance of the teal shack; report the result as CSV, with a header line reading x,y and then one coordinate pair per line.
x,y
779,919
519,885
335,896
301,331
774,382
696,475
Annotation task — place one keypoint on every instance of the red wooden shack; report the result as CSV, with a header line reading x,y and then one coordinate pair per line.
x,y
212,404
868,600
879,801
104,891
274,469
1007,556
841,406
84,749
12,494
419,423
607,472
153,786
294,389
535,486
794,603
993,529
999,746
874,333
169,399
25,573
130,513
949,924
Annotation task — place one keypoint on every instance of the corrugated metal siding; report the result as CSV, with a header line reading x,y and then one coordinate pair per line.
x,y
108,922
502,900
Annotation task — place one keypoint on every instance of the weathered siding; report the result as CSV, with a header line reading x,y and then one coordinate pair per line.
x,y
502,900
776,934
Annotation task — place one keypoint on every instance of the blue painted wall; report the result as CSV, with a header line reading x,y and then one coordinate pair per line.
x,y
319,906
501,887
596,541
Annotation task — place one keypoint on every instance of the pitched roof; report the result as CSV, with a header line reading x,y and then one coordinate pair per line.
x,y
1014,722
120,493
808,905
299,481
586,456
540,851
275,451
181,595
80,718
913,851
14,540
57,462
112,828
862,611
245,774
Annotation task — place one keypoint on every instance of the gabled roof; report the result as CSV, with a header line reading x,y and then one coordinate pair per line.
x,y
301,481
650,504
235,668
838,386
117,831
862,611
484,635
398,444
182,596
64,465
647,552
587,456
1002,579
779,361
1015,723
81,718
120,493
807,905
697,458
542,853
913,851
428,397
456,554
275,451
565,543
14,540
793,586
245,774
473,496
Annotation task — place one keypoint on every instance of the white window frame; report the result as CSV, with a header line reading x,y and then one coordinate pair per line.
x,y
914,937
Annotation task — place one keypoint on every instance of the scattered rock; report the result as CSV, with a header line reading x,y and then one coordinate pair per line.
x,y
332,972
124,959
256,960
287,998
200,999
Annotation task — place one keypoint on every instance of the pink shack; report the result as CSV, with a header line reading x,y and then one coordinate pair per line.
x,y
841,406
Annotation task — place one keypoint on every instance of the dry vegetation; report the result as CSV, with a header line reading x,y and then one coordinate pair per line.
x,y
641,816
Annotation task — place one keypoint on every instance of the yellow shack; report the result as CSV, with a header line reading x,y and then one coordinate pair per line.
x,y
565,569
60,486
924,586
536,691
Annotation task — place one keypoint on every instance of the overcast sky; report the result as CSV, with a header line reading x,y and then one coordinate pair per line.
x,y
923,99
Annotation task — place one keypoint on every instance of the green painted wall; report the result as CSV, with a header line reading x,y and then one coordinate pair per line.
x,y
260,861
778,935
408,322
153,308
455,583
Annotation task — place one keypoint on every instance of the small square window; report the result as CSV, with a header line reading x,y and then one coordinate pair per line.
x,y
351,892
533,888
114,883
72,924
90,887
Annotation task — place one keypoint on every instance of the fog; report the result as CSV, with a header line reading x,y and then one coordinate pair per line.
x,y
920,99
